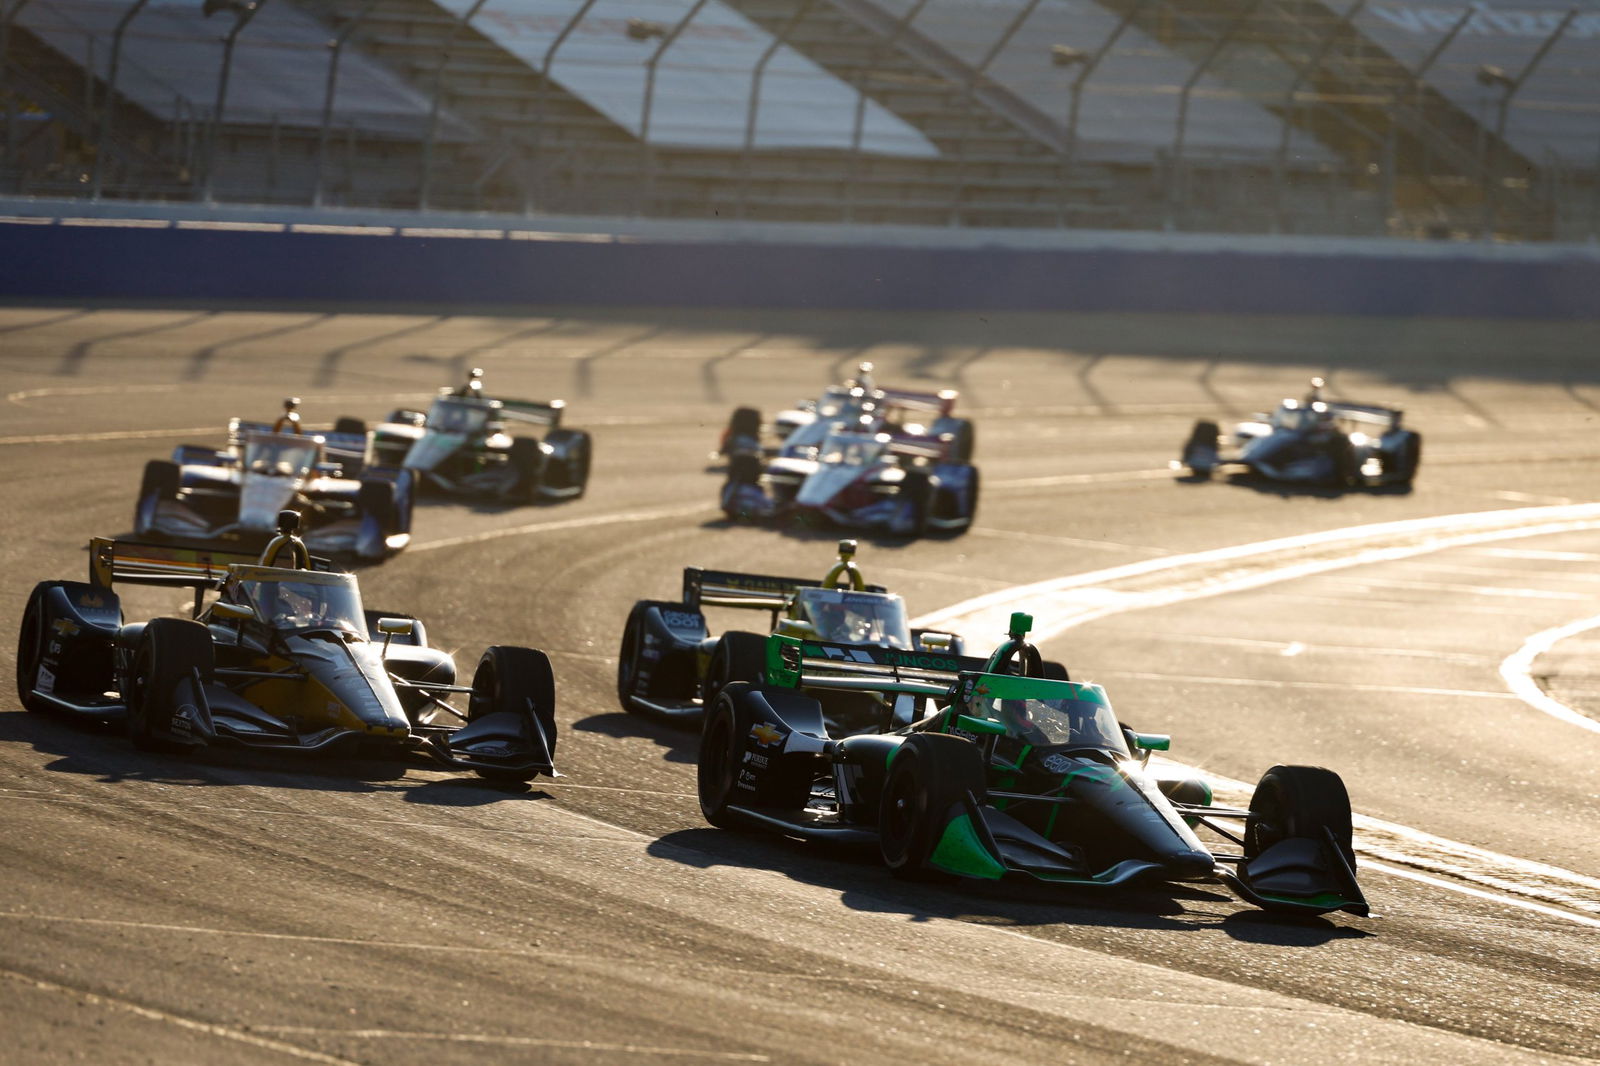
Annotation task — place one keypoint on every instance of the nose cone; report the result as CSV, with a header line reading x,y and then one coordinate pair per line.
x,y
261,497
824,484
1189,866
431,449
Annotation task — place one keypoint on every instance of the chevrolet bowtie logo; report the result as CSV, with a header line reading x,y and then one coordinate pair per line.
x,y
764,734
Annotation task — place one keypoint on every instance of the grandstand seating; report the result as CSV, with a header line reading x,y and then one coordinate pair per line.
x,y
1308,115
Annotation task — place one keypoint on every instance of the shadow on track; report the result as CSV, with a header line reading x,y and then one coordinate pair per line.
x,y
97,749
679,744
864,885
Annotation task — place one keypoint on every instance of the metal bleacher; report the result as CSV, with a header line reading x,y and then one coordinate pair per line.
x,y
1314,116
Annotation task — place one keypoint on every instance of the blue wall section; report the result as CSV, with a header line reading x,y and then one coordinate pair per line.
x,y
109,263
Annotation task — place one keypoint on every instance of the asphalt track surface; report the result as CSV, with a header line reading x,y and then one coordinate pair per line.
x,y
246,909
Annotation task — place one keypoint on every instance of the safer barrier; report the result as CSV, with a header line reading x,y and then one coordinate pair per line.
x,y
246,262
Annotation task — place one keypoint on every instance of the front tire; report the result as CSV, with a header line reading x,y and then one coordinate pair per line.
x,y
721,741
170,652
518,680
527,459
1200,450
931,773
1298,801
576,451
30,648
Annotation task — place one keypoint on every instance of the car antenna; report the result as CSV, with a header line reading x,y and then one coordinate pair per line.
x,y
286,541
846,568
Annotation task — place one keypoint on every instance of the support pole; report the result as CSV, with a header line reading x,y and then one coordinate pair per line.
x,y
857,130
103,138
7,20
544,93
980,75
1281,163
242,17
336,50
438,93
1415,91
647,158
1088,67
1176,165
760,71
1493,188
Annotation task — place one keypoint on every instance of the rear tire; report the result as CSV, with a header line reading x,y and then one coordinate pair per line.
x,y
170,651
1202,439
1346,473
1410,458
571,470
918,491
509,679
963,439
527,458
353,426
745,469
737,657
931,772
1298,801
159,485
1053,671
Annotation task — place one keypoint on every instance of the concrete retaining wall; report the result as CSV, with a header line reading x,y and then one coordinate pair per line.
x,y
242,261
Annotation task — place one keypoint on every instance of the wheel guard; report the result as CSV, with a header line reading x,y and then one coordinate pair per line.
x,y
1300,875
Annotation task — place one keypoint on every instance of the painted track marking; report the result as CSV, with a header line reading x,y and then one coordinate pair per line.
x,y
1517,670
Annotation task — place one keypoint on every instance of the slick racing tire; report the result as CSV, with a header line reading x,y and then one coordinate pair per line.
x,y
1202,439
352,426
745,422
568,468
170,650
1346,472
1053,671
160,484
1298,801
519,680
745,469
917,488
963,438
527,459
377,500
737,657
722,735
30,648
930,775
1410,458
628,656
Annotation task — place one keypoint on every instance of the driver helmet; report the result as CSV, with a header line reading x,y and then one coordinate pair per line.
x,y
474,383
289,421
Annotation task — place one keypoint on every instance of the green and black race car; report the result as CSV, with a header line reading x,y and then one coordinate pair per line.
x,y
1009,772
670,666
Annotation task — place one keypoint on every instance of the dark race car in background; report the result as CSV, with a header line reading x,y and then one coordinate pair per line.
x,y
234,493
900,482
670,665
1312,442
463,445
279,658
1009,773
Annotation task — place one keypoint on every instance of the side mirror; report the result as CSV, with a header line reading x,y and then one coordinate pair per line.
x,y
796,627
1151,741
395,627
232,612
940,641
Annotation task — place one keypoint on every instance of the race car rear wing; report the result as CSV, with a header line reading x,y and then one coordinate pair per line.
x,y
533,412
140,563
728,588
1361,412
942,401
793,662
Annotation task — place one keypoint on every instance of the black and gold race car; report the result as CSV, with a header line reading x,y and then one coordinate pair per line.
x,y
275,656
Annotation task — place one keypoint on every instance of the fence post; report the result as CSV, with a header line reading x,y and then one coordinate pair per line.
x,y
856,132
433,112
977,77
544,93
759,72
1511,88
103,137
1282,161
1176,162
1087,68
336,49
646,156
243,13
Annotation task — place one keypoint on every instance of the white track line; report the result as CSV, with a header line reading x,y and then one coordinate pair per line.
x,y
1518,673
1093,599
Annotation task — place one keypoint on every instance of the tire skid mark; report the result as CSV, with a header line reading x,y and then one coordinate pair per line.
x,y
208,1028
495,1040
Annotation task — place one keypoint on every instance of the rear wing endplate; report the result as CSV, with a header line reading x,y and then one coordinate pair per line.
x,y
729,588
139,563
794,662
533,412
